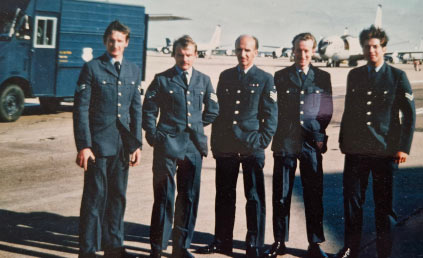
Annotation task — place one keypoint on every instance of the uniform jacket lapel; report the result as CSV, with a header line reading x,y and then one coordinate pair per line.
x,y
107,65
194,78
310,76
176,78
293,75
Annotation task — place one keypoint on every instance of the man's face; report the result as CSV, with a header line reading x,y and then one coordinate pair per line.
x,y
303,52
116,43
185,57
246,52
373,51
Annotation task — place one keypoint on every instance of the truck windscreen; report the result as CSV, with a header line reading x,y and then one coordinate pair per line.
x,y
8,14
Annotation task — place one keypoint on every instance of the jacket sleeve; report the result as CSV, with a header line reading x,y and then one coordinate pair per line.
x,y
211,106
407,107
135,110
347,106
326,109
82,99
267,115
150,111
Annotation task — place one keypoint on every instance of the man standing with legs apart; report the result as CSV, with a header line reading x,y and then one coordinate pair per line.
x,y
186,101
107,128
374,138
305,110
244,128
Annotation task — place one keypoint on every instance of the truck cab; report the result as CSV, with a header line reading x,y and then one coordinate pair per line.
x,y
44,44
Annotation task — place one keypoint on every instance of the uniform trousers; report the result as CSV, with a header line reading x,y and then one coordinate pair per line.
x,y
356,173
188,177
227,170
103,203
312,181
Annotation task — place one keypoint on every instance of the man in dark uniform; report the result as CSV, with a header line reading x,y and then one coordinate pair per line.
x,y
305,109
107,128
243,129
374,139
179,94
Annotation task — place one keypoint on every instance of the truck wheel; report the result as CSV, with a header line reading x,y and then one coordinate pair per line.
x,y
49,105
11,103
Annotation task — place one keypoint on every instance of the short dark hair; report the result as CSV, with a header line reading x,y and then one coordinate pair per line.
x,y
245,35
374,32
116,26
304,36
183,42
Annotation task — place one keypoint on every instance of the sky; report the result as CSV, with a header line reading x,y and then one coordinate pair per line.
x,y
276,22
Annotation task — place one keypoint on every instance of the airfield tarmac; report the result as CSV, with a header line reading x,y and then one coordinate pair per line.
x,y
41,187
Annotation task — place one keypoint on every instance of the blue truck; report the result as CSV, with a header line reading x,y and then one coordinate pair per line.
x,y
44,44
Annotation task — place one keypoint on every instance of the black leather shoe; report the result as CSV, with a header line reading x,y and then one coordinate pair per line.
x,y
90,255
156,253
119,253
183,253
314,251
346,252
278,248
215,248
253,252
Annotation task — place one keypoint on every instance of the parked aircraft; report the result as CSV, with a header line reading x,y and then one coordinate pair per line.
x,y
205,49
335,49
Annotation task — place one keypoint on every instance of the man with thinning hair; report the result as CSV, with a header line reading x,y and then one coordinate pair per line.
x,y
241,132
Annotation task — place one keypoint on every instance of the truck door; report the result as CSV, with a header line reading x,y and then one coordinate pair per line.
x,y
43,72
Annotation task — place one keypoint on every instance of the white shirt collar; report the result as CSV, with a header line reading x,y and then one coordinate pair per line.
x,y
245,70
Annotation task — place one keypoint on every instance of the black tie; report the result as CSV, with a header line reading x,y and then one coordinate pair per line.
x,y
303,76
372,74
184,77
241,75
117,67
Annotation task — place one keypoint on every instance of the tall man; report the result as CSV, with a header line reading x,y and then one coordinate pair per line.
x,y
186,101
107,128
305,109
374,139
241,132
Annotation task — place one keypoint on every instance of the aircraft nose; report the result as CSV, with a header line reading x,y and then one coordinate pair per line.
x,y
322,47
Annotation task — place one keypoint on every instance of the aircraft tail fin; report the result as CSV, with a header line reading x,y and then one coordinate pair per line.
x,y
215,40
168,42
378,19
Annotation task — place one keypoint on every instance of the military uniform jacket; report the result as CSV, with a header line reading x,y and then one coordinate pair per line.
x,y
107,108
371,121
181,112
305,109
248,112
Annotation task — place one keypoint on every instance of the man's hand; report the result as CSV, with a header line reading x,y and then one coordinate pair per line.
x,y
83,156
135,158
400,157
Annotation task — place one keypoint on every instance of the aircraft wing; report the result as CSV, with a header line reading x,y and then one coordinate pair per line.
x,y
166,17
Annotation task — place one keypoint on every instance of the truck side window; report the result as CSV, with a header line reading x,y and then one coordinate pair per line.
x,y
45,32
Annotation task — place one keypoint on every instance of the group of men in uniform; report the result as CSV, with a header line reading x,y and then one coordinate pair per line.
x,y
248,110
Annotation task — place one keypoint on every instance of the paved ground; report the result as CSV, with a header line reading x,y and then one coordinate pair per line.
x,y
41,187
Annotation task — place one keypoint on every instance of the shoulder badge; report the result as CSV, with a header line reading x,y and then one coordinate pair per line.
x,y
409,96
273,95
213,97
81,87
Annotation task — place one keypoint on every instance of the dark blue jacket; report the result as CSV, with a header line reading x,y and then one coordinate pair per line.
x,y
371,123
107,107
305,109
248,112
181,112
